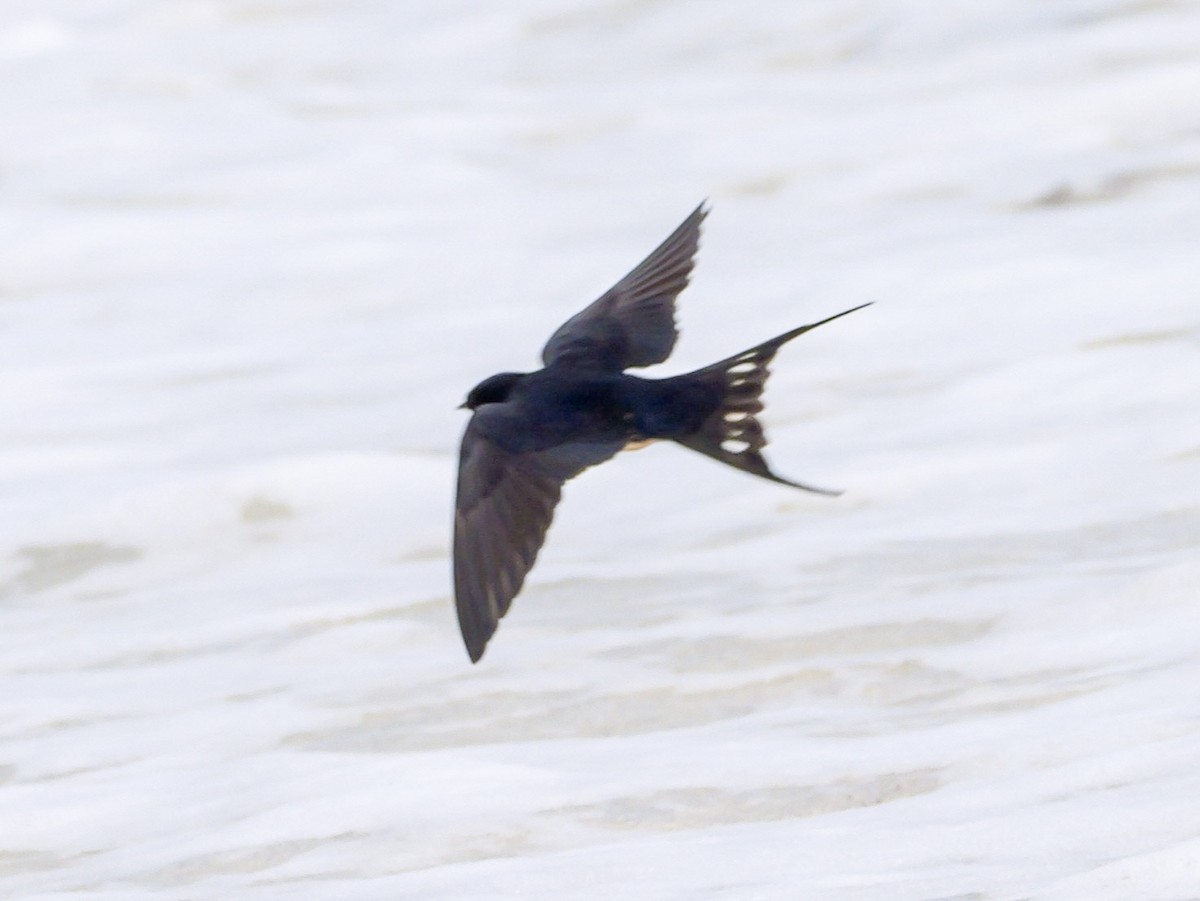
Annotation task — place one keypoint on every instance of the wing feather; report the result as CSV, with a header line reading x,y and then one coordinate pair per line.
x,y
633,323
505,504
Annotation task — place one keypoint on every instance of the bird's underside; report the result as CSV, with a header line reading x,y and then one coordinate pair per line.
x,y
530,433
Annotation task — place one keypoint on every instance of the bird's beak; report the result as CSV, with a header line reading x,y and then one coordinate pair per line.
x,y
462,406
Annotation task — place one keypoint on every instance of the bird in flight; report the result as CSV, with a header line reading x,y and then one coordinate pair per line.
x,y
531,432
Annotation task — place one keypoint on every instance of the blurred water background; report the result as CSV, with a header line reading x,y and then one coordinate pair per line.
x,y
254,252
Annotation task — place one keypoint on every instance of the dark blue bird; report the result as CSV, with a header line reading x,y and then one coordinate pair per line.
x,y
531,432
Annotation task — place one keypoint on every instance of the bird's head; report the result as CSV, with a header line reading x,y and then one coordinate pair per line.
x,y
494,390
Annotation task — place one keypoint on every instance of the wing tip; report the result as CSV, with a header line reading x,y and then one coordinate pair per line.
x,y
475,635
475,651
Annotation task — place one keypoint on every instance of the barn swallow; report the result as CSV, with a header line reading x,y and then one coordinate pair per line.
x,y
532,431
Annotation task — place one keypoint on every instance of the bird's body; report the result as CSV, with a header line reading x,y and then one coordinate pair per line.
x,y
560,405
531,432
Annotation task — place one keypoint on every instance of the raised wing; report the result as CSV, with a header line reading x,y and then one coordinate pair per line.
x,y
506,500
633,323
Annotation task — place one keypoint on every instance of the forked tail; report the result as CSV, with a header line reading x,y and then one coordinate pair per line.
x,y
732,433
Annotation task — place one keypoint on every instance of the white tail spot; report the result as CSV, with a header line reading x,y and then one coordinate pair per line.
x,y
744,368
735,445
736,415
